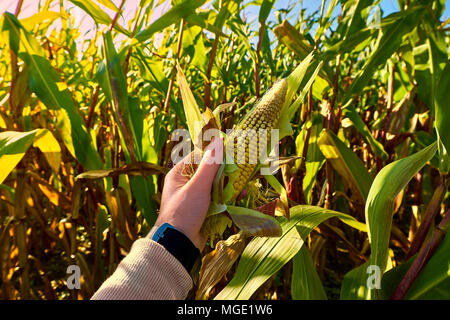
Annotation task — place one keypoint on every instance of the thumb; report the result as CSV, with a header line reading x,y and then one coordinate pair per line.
x,y
210,163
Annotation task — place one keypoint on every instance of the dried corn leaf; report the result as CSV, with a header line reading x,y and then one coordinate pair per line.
x,y
117,201
52,195
134,169
49,146
268,208
210,122
218,262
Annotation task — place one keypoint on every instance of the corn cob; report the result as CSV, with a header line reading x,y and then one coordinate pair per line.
x,y
245,138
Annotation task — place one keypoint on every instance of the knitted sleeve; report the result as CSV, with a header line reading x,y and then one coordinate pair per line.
x,y
148,272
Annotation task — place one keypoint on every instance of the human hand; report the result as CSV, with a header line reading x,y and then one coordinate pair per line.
x,y
185,201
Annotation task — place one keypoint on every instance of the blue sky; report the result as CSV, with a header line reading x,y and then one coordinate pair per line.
x,y
387,7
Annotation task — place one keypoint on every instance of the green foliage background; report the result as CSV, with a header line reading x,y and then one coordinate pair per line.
x,y
85,141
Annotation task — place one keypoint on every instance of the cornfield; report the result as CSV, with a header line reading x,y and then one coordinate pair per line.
x,y
357,206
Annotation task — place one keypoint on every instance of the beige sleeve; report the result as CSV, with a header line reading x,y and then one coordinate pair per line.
x,y
148,272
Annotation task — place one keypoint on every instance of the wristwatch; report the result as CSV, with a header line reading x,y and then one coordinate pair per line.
x,y
178,244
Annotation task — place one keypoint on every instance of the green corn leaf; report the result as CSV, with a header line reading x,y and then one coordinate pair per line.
x,y
43,82
115,87
356,35
152,70
314,158
109,4
380,202
326,21
387,44
294,81
437,57
351,113
199,19
355,16
242,33
345,162
264,11
311,79
442,109
267,51
389,182
264,256
228,8
194,117
130,118
142,190
91,8
305,282
174,15
422,72
363,37
98,14
354,286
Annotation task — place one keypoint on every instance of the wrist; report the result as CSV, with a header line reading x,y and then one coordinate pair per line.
x,y
183,227
177,243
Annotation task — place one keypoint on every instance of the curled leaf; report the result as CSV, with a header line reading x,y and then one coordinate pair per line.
x,y
215,225
253,222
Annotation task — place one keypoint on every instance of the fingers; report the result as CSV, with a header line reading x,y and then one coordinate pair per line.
x,y
182,164
210,163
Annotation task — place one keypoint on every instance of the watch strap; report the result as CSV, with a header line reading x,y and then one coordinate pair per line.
x,y
178,244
